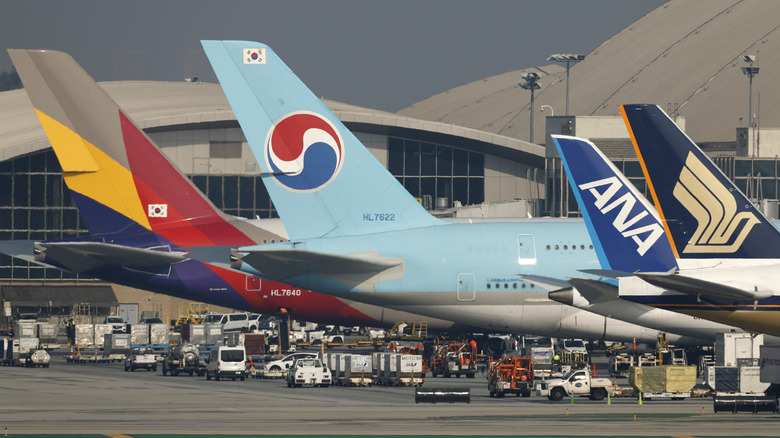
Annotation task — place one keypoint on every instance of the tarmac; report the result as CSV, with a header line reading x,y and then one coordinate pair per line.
x,y
103,399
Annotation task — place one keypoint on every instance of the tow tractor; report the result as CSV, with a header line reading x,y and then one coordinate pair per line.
x,y
511,375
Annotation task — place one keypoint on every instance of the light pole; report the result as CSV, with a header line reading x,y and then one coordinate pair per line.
x,y
750,71
552,113
530,84
569,59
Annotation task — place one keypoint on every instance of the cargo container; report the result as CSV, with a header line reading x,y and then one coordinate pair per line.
x,y
139,334
117,343
663,381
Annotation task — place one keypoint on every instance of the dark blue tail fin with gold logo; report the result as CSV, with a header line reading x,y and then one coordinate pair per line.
x,y
703,212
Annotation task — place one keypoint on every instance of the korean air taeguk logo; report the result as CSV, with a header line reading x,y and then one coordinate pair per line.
x,y
304,151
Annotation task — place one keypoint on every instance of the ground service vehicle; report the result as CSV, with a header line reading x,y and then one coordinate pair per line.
x,y
287,362
577,383
118,324
454,358
308,371
141,358
511,375
232,321
184,358
226,361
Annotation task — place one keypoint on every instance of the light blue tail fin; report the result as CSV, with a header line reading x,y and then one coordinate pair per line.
x,y
322,180
625,229
703,211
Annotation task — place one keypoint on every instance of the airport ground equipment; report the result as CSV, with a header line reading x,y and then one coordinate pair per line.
x,y
621,361
744,403
663,381
350,369
39,358
394,369
141,358
511,375
454,358
309,371
407,331
577,383
442,395
184,359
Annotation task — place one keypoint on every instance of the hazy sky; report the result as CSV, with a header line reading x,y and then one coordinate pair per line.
x,y
378,54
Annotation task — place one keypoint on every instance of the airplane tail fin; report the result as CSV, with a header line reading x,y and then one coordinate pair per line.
x,y
625,229
120,181
322,180
703,212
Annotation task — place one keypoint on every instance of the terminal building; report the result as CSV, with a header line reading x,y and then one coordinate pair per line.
x,y
482,149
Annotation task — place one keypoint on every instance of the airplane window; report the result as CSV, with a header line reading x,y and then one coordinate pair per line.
x,y
488,285
514,285
548,247
557,247
565,247
582,246
590,246
506,285
498,286
523,285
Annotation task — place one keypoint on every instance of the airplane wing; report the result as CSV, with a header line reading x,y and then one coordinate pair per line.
x,y
362,270
549,283
84,256
699,287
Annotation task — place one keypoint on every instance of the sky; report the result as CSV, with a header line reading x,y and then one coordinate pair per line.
x,y
384,55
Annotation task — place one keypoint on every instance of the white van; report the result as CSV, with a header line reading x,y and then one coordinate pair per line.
x,y
230,322
226,362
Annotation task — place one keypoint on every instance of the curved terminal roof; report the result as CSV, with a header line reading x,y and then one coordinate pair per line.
x,y
684,55
178,105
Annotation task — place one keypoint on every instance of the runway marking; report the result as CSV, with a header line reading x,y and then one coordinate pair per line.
x,y
118,436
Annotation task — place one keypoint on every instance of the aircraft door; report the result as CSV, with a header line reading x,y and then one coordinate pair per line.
x,y
526,249
466,287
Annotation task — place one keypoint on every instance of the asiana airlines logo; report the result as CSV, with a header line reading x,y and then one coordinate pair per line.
x,y
720,228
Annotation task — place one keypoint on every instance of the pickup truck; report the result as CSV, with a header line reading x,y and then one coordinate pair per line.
x,y
576,383
141,358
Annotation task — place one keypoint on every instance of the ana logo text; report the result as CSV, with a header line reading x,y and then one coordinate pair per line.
x,y
644,236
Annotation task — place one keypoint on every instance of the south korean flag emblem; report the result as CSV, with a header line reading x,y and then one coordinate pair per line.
x,y
158,210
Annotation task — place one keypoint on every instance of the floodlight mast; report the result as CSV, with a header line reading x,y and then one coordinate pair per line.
x,y
569,59
530,84
750,71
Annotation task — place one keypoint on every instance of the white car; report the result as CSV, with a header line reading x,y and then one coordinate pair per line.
x,y
287,362
308,371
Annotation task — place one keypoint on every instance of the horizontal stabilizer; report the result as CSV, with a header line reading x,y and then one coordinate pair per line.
x,y
595,291
84,256
362,270
696,286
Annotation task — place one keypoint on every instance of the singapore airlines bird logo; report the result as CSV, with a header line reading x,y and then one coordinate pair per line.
x,y
720,228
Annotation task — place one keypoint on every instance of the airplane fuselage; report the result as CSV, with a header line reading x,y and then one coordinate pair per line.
x,y
474,273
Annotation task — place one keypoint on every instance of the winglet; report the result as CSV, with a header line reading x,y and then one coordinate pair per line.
x,y
321,178
625,230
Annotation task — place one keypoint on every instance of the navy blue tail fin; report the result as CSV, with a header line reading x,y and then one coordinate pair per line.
x,y
704,213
